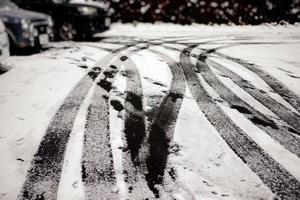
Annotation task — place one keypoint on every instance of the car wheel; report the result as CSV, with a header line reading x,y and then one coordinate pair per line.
x,y
66,31
12,45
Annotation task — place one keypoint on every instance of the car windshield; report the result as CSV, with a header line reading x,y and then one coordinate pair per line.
x,y
7,5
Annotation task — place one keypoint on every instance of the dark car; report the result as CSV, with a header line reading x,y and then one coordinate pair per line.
x,y
25,28
71,20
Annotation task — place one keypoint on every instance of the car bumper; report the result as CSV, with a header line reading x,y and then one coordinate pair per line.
x,y
36,36
33,42
4,45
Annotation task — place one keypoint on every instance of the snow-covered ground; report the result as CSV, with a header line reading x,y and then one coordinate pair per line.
x,y
205,157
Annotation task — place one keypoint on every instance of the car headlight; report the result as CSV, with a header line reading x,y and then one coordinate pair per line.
x,y
50,21
107,22
35,32
5,19
85,10
25,24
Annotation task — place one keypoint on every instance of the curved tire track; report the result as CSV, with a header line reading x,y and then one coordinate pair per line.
x,y
97,162
162,127
281,183
135,128
135,134
154,147
287,115
43,176
284,137
275,84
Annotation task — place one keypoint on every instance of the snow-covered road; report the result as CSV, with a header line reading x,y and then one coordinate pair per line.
x,y
155,112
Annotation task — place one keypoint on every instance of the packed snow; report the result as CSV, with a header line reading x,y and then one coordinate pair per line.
x,y
207,168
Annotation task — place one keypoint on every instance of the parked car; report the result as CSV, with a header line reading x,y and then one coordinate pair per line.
x,y
72,20
4,42
25,28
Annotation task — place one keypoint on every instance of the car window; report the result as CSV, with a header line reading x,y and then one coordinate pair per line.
x,y
7,5
61,1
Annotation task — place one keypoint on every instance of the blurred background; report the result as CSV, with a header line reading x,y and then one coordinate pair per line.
x,y
206,11
32,24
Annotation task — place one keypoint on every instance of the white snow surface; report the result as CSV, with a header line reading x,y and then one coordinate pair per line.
x,y
30,94
35,87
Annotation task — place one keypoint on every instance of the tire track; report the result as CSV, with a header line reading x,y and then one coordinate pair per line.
x,y
171,184
275,84
284,135
278,87
135,128
281,183
97,162
43,176
162,127
135,134
280,110
144,147
280,134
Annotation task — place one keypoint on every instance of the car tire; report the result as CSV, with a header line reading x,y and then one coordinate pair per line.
x,y
12,45
66,31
